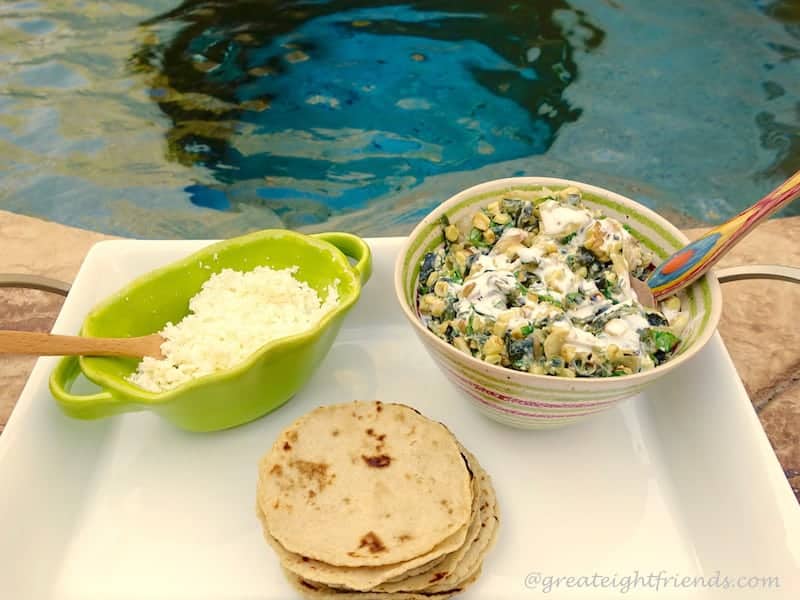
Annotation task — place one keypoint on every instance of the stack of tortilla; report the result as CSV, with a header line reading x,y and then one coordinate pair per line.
x,y
367,500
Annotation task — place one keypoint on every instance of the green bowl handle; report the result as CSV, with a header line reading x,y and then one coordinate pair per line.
x,y
87,406
354,247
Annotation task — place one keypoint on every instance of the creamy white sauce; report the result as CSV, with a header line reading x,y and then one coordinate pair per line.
x,y
557,219
488,289
493,280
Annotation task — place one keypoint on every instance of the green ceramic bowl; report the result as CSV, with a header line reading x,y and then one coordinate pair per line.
x,y
235,396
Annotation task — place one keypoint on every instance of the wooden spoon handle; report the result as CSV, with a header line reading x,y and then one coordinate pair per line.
x,y
47,344
686,265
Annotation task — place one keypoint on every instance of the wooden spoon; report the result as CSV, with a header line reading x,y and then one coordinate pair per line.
x,y
692,261
47,344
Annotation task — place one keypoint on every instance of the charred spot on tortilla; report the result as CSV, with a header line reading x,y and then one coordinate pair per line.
x,y
276,470
304,583
437,576
378,462
287,446
371,542
314,472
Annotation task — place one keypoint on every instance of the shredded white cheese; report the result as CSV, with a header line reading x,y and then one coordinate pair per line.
x,y
232,316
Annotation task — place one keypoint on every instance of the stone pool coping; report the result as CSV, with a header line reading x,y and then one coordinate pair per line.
x,y
758,327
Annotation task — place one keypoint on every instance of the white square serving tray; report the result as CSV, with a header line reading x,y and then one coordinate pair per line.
x,y
674,494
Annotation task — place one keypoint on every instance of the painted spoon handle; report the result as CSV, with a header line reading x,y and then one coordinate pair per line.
x,y
692,261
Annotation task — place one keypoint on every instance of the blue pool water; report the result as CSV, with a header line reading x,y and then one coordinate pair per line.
x,y
160,119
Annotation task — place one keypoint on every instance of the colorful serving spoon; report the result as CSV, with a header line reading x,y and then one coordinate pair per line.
x,y
693,260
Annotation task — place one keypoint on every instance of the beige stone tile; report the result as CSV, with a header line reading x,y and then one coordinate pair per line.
x,y
781,421
14,371
22,310
34,246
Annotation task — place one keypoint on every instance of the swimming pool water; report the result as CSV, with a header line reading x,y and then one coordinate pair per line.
x,y
153,118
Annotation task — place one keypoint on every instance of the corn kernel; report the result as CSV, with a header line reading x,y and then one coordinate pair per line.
x,y
613,353
437,306
425,303
440,289
500,326
451,233
552,277
494,345
536,369
492,359
489,236
432,278
494,207
461,260
568,352
461,344
502,218
569,191
672,303
594,241
679,323
480,221
554,342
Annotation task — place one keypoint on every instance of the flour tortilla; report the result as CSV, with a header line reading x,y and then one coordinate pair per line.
x,y
364,484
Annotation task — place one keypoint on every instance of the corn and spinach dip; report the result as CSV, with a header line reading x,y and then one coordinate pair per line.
x,y
542,285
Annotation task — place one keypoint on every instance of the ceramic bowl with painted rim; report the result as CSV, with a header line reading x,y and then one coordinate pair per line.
x,y
533,401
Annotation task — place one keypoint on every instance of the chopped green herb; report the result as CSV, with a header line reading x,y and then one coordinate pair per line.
x,y
476,237
548,298
574,298
663,340
526,330
470,330
568,238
